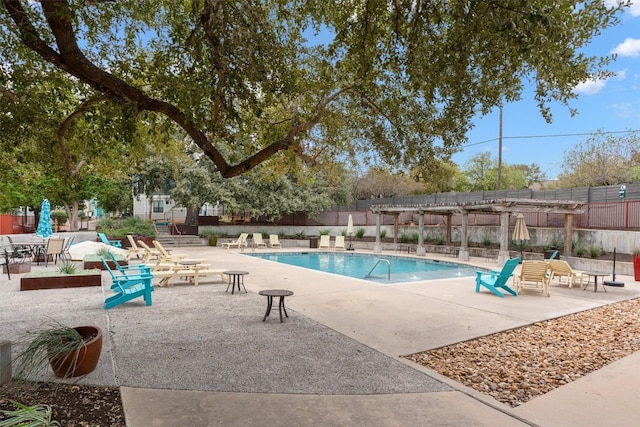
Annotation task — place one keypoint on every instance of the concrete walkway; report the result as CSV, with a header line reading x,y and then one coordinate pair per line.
x,y
200,356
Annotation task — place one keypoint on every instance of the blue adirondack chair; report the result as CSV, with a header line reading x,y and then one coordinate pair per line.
x,y
127,287
139,269
495,281
114,243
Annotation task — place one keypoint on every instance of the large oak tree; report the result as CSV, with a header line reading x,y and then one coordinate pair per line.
x,y
246,80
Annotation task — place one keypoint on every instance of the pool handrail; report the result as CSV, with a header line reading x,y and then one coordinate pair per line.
x,y
388,268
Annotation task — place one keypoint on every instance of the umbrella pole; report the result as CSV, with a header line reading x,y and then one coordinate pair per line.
x,y
520,251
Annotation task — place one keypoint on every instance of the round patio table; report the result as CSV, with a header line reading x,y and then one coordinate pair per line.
x,y
270,293
236,278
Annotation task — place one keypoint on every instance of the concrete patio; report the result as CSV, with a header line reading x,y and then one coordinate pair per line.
x,y
200,356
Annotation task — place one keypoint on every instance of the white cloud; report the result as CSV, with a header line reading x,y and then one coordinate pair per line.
x,y
629,47
634,9
623,110
590,87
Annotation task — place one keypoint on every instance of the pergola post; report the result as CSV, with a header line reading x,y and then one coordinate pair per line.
x,y
420,250
377,247
503,255
449,222
396,216
463,255
568,234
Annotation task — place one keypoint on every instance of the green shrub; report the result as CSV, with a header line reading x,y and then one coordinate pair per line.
x,y
32,416
595,252
360,233
579,251
414,237
487,241
404,238
557,243
68,268
325,232
440,241
119,228
299,235
383,234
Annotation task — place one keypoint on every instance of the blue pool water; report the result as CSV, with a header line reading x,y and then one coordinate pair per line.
x,y
403,269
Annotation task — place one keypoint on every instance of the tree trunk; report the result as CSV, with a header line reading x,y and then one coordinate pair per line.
x,y
192,216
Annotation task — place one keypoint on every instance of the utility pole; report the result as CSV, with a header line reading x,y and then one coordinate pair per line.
x,y
500,153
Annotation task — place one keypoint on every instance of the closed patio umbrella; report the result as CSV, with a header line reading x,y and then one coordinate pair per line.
x,y
44,224
520,232
350,231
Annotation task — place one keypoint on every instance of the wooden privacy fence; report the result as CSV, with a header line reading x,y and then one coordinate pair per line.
x,y
620,215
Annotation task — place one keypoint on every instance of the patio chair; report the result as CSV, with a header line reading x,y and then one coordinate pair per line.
x,y
54,250
65,253
18,251
274,241
128,287
139,269
114,243
496,282
325,241
563,274
533,276
338,244
5,263
257,241
240,243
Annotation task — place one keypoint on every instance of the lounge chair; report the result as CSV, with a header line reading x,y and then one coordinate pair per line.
x,y
338,244
257,241
496,282
325,241
165,255
114,243
240,243
149,253
562,272
134,250
533,276
274,241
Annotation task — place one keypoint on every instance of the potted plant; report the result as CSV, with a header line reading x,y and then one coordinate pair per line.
x,y
211,236
636,264
70,352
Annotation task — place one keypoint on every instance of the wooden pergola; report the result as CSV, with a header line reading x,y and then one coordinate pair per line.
x,y
502,207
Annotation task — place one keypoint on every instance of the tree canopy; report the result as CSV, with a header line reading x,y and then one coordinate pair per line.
x,y
602,159
247,80
480,173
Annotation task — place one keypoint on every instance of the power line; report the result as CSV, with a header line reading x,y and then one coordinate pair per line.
x,y
550,136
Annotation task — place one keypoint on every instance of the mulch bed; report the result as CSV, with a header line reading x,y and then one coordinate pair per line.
x,y
518,365
73,405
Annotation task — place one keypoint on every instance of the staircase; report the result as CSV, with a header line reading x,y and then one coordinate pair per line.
x,y
169,240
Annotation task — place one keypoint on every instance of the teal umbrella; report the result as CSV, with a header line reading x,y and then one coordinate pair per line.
x,y
44,224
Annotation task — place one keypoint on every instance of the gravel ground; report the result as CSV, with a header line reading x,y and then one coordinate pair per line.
x,y
518,365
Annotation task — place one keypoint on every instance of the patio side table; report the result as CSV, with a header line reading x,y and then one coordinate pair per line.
x,y
270,293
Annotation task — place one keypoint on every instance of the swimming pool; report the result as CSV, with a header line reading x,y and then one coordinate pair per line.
x,y
381,269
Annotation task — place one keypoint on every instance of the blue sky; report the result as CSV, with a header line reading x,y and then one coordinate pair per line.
x,y
611,105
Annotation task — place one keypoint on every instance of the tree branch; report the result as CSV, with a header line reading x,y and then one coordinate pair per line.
x,y
71,60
